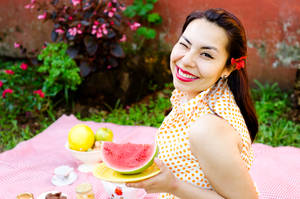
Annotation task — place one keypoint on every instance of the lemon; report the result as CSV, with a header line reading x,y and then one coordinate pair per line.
x,y
81,137
104,134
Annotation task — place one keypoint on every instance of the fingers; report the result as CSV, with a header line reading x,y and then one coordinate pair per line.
x,y
161,165
135,185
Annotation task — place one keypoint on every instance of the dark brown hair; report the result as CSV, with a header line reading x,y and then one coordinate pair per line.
x,y
236,48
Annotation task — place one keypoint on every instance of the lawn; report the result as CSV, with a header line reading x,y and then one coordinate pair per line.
x,y
272,105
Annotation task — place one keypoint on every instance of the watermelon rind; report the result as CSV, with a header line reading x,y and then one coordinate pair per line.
x,y
132,171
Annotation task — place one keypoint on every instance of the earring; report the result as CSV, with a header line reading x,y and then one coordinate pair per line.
x,y
224,77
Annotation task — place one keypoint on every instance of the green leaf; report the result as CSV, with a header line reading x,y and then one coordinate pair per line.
x,y
154,18
152,1
130,11
148,33
145,9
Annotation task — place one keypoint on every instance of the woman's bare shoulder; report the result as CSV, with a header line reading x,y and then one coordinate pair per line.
x,y
210,127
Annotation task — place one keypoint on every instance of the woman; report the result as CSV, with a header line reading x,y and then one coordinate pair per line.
x,y
205,141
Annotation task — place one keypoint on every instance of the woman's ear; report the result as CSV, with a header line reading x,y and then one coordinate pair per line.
x,y
227,70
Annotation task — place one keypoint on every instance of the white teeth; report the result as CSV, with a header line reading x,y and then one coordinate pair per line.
x,y
186,75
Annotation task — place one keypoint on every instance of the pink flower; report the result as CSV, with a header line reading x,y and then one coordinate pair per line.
x,y
40,93
134,26
59,31
76,2
79,30
109,4
31,5
109,67
43,16
99,31
61,19
110,14
9,72
105,31
1,84
6,91
17,45
23,66
114,9
122,8
123,39
70,18
73,31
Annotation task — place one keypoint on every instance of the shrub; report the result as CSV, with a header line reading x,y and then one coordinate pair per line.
x,y
60,72
30,88
20,86
92,29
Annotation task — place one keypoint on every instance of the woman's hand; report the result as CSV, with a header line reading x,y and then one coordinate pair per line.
x,y
165,181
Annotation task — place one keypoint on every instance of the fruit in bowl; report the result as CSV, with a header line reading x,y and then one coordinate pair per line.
x,y
128,158
81,137
84,146
104,134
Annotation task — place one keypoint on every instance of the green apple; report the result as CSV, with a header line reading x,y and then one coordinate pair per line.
x,y
104,134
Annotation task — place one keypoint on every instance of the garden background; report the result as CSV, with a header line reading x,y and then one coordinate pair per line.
x,y
108,61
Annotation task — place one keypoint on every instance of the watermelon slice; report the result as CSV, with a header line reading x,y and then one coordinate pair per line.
x,y
128,158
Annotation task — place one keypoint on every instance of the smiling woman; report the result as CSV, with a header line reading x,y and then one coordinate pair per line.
x,y
205,141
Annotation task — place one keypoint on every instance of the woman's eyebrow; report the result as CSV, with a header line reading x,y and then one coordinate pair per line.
x,y
203,47
186,40
209,48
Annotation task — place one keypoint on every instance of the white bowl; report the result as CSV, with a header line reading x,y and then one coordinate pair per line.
x,y
88,158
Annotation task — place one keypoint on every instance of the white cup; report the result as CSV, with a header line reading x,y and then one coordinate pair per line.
x,y
63,172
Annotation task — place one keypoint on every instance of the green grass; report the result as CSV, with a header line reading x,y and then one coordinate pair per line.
x,y
272,106
11,133
147,114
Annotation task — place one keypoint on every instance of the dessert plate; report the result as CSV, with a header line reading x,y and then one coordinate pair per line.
x,y
103,172
43,195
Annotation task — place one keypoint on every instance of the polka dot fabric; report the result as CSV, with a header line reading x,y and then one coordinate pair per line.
x,y
173,134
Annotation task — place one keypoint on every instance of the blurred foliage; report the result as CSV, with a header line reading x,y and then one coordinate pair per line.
x,y
141,11
59,71
271,103
273,107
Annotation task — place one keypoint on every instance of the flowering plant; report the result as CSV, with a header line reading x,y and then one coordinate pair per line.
x,y
27,88
20,89
92,29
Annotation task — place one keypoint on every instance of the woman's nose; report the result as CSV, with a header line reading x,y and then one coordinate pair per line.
x,y
188,59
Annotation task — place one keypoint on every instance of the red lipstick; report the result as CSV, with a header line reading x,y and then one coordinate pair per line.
x,y
182,78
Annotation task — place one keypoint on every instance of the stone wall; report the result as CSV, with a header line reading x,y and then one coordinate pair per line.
x,y
267,23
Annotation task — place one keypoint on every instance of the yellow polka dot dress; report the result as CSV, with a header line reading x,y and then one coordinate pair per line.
x,y
173,134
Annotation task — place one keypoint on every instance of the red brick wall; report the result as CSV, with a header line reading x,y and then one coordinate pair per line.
x,y
267,22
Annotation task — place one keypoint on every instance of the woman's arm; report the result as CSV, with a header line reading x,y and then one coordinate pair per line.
x,y
165,181
215,144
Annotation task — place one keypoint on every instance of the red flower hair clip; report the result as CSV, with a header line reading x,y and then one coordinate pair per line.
x,y
239,63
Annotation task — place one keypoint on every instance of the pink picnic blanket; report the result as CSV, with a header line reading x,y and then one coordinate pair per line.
x,y
29,166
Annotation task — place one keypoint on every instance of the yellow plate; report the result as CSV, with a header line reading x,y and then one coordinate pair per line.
x,y
104,173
